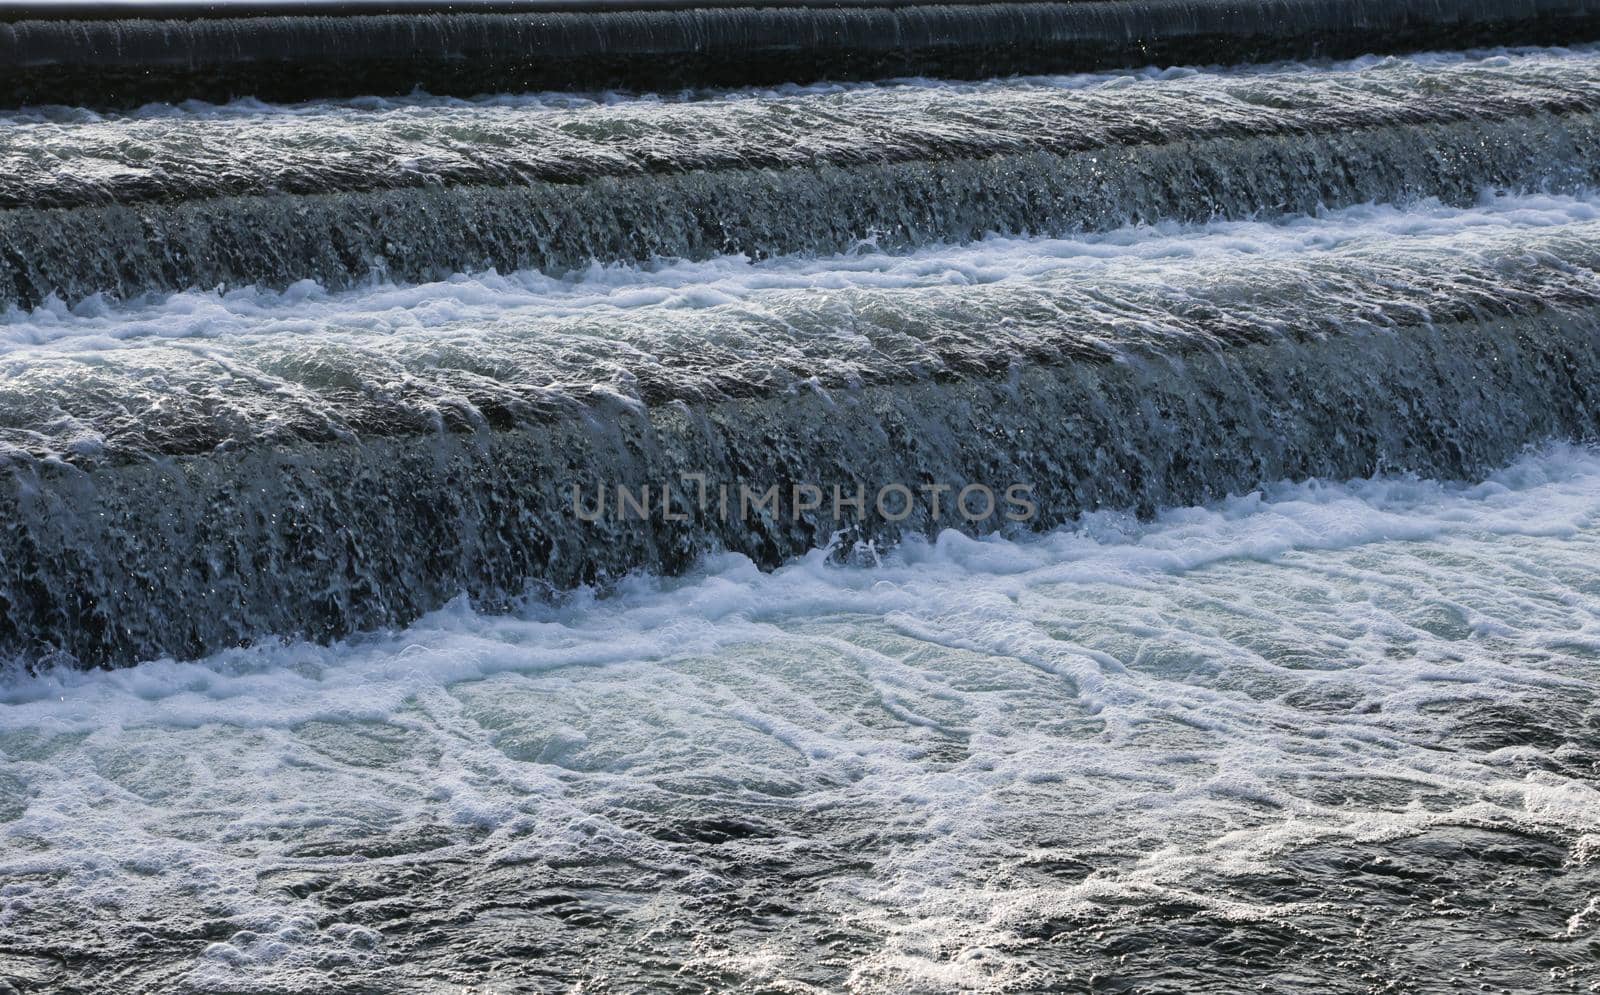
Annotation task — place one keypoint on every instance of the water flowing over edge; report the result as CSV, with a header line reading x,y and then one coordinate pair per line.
x,y
323,540
1343,723
1018,158
129,62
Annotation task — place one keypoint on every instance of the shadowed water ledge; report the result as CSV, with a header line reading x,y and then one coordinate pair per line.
x,y
72,55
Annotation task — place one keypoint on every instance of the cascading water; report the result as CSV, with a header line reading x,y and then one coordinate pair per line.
x,y
1128,531
419,191
446,461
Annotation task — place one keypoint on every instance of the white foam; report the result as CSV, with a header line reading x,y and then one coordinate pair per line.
x,y
1488,58
917,586
477,300
1172,693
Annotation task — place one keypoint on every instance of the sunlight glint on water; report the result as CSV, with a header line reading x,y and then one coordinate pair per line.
x,y
1125,728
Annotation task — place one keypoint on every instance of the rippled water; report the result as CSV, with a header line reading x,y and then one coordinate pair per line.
x,y
1330,735
347,193
294,400
1163,254
200,371
63,157
194,472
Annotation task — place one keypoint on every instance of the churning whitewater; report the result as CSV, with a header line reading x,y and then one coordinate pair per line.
x,y
1331,735
443,539
420,190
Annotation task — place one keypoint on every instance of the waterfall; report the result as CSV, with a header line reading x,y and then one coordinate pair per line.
x,y
132,206
310,370
875,496
173,499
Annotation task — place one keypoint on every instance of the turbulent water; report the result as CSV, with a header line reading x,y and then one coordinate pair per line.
x,y
1329,737
1275,669
112,386
419,190
438,436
